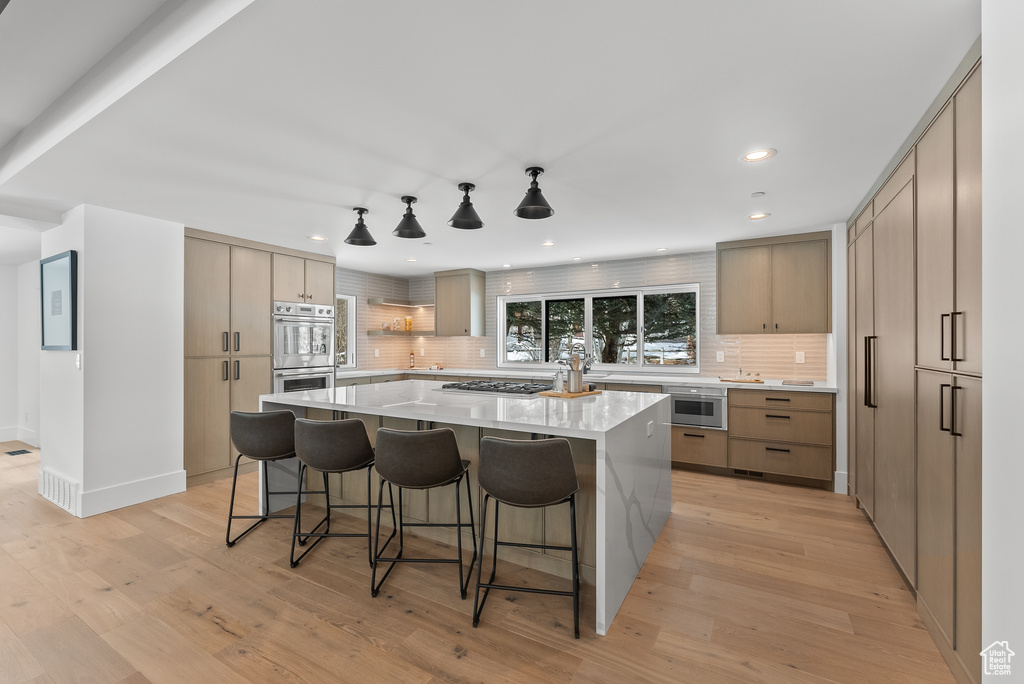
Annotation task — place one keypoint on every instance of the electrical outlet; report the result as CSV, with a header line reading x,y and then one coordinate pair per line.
x,y
720,357
78,361
483,354
650,428
376,353
423,351
800,357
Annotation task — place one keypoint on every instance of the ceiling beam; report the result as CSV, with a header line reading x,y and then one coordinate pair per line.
x,y
172,29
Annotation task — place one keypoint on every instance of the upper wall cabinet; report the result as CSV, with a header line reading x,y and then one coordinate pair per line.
x,y
775,285
459,308
303,280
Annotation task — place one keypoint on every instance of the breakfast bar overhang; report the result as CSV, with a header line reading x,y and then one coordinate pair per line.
x,y
621,448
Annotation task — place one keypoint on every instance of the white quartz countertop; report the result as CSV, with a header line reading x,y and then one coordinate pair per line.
x,y
584,417
598,377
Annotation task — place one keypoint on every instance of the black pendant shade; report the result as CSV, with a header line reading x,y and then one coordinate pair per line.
x,y
465,217
360,235
534,206
409,227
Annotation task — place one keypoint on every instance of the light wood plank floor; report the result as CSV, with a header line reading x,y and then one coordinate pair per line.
x,y
749,582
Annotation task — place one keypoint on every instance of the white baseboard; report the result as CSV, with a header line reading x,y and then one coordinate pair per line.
x,y
841,485
8,434
30,437
129,493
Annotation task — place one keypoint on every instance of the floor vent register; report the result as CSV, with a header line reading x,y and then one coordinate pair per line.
x,y
17,452
59,491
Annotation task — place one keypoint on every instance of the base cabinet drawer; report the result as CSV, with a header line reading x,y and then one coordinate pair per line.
x,y
810,401
809,427
700,446
798,460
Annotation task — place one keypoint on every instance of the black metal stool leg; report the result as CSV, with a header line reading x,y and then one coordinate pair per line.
x,y
575,569
298,513
477,606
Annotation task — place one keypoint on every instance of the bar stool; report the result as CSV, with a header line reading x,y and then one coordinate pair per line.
x,y
527,474
420,459
335,446
263,437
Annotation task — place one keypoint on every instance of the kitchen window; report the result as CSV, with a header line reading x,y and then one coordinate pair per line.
x,y
643,328
344,331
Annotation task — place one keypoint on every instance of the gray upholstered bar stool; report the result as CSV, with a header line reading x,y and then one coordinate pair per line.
x,y
527,474
263,437
420,459
332,446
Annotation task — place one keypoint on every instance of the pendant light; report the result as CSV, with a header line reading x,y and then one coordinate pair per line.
x,y
465,217
409,227
360,235
534,206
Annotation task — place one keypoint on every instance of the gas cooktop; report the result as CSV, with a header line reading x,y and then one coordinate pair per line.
x,y
523,388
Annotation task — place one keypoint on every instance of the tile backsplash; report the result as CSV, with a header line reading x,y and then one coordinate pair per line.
x,y
772,356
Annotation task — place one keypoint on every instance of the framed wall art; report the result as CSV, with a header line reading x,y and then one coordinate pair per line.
x,y
58,287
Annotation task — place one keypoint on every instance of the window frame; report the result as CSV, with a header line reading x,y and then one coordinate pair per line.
x,y
353,356
588,329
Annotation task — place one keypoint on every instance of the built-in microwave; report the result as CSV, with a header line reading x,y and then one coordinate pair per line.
x,y
705,407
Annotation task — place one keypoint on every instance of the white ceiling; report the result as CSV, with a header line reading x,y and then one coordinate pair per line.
x,y
278,122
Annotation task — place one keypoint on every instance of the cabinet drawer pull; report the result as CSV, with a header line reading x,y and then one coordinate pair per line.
x,y
952,412
942,407
781,451
776,399
772,415
690,434
952,336
225,370
942,335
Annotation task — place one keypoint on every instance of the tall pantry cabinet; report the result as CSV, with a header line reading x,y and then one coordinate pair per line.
x,y
915,318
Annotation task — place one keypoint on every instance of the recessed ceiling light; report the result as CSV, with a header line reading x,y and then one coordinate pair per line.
x,y
577,258
317,238
662,249
410,260
759,215
506,265
549,243
759,155
756,195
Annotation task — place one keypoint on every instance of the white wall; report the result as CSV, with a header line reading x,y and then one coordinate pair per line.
x,y
8,353
115,426
1002,327
61,386
28,353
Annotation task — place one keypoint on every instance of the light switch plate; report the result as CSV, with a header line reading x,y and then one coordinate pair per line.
x,y
483,354
78,361
423,352
720,357
800,357
650,428
376,353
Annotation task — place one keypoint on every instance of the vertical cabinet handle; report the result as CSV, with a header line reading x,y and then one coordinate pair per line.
x,y
942,407
869,371
238,374
225,340
776,327
952,336
225,369
238,341
952,412
764,326
942,335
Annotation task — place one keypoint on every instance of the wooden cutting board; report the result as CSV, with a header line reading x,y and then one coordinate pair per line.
x,y
568,395
751,382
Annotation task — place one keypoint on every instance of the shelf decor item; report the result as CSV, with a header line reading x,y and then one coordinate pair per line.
x,y
58,288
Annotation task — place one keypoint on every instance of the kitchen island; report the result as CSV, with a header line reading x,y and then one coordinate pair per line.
x,y
621,448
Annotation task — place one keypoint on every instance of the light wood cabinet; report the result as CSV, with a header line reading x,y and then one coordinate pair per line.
x,y
207,298
864,318
251,304
783,433
744,305
459,303
967,309
775,285
207,427
700,446
303,280
891,359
